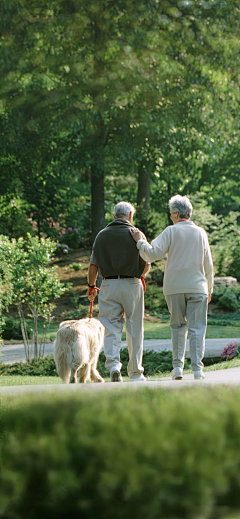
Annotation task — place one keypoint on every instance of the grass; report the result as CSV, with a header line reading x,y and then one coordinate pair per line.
x,y
17,380
163,331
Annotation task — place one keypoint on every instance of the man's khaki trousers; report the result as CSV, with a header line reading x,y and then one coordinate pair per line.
x,y
116,298
188,317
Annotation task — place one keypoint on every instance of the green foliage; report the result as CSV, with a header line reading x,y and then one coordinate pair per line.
x,y
176,454
153,362
156,275
13,220
76,266
71,237
11,329
44,366
81,312
227,298
32,280
154,299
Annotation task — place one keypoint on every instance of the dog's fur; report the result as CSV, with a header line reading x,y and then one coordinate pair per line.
x,y
77,347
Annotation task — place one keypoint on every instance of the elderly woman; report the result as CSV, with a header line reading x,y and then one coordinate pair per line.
x,y
188,281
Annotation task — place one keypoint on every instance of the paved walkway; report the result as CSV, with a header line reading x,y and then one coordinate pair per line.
x,y
15,352
224,377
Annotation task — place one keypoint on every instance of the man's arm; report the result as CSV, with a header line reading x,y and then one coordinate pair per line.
x,y
147,269
92,277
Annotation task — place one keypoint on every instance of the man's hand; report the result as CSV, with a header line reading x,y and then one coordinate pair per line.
x,y
136,234
146,270
92,277
93,294
209,298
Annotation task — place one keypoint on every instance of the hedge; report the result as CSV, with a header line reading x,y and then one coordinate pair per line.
x,y
154,362
144,454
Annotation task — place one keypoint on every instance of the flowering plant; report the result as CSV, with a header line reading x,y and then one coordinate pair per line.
x,y
232,350
71,237
62,249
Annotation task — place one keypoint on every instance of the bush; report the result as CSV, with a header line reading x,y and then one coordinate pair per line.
x,y
76,266
153,362
71,238
154,299
44,366
11,329
157,275
227,298
146,453
232,350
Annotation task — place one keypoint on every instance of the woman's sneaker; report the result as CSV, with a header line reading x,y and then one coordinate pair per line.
x,y
177,374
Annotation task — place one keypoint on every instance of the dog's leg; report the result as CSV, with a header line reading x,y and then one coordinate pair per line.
x,y
95,375
84,373
74,370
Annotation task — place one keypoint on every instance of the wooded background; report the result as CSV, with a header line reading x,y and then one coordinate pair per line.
x,y
105,100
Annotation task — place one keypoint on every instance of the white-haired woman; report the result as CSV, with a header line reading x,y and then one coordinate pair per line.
x,y
188,281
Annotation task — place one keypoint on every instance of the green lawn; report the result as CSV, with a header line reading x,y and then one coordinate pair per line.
x,y
157,331
162,331
18,380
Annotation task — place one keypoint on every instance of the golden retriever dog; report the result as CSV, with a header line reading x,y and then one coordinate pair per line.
x,y
76,349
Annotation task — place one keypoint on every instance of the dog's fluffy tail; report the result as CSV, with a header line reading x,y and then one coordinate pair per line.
x,y
63,356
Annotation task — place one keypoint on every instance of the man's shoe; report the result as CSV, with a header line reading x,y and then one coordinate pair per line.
x,y
116,376
140,378
198,375
177,374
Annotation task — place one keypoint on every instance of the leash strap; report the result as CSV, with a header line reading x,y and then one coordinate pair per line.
x,y
91,304
143,283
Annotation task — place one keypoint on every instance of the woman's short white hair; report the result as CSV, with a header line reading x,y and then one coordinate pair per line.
x,y
182,205
123,209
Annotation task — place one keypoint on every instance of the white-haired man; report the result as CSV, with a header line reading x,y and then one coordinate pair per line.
x,y
115,255
188,282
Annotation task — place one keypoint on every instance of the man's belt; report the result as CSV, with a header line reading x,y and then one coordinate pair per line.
x,y
120,276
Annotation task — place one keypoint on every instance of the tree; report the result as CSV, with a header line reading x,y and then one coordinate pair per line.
x,y
85,71
32,282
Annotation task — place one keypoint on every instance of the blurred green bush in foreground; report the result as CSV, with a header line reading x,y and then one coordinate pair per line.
x,y
139,454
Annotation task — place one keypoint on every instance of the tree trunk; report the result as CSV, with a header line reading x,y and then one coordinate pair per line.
x,y
97,205
144,179
97,177
24,332
143,196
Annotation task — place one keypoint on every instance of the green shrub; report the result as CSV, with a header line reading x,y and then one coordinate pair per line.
x,y
76,266
153,362
11,329
80,312
71,237
154,299
156,276
44,366
146,453
227,298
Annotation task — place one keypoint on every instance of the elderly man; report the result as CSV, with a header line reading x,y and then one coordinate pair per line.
x,y
188,282
115,254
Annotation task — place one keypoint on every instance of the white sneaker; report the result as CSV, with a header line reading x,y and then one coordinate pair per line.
x,y
177,374
198,375
140,378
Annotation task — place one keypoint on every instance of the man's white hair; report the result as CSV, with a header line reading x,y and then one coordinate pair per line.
x,y
182,205
123,209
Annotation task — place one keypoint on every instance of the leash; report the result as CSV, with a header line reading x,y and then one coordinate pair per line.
x,y
91,304
143,283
